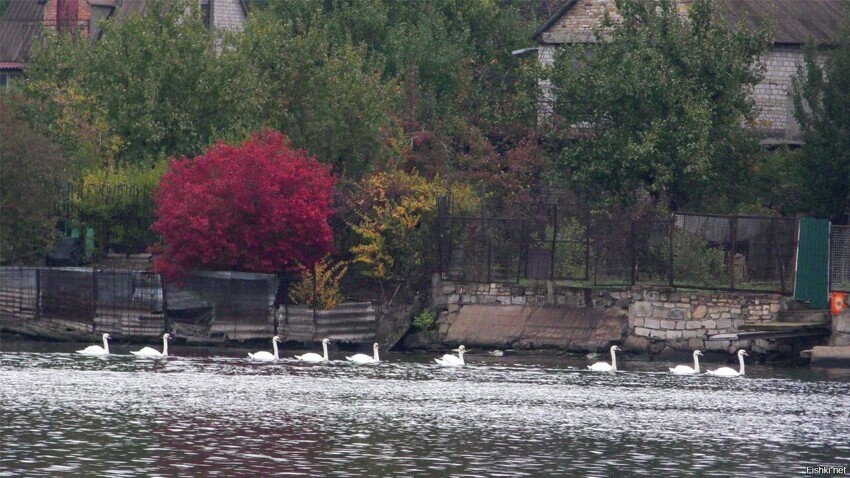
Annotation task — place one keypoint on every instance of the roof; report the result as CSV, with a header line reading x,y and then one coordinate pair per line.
x,y
792,21
23,19
20,24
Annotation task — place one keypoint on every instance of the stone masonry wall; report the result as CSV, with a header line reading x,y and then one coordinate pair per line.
x,y
657,318
683,320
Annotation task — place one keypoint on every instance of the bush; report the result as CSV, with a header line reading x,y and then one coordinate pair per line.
x,y
326,277
425,320
257,207
117,203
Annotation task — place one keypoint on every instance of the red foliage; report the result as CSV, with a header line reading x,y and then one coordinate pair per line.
x,y
257,207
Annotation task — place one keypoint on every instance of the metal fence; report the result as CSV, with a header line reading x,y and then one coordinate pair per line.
x,y
205,306
83,299
570,243
839,258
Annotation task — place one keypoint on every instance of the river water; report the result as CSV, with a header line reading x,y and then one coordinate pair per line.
x,y
208,412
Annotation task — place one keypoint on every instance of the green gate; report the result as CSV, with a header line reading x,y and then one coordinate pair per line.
x,y
811,282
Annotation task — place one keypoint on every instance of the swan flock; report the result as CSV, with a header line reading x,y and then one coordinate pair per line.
x,y
447,360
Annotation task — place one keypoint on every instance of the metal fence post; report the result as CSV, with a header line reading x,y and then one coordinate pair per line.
x,y
671,272
733,239
554,239
632,252
93,300
587,244
315,303
166,324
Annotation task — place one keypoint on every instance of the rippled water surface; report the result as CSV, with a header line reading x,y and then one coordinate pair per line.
x,y
220,415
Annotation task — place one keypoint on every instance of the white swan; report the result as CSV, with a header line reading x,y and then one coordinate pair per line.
x,y
314,357
148,352
684,369
97,350
363,358
730,372
263,356
605,366
449,360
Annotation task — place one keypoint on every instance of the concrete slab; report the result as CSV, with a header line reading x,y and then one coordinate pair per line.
x,y
521,326
826,356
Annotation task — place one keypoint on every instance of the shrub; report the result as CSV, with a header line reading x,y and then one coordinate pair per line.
x,y
326,277
425,320
257,207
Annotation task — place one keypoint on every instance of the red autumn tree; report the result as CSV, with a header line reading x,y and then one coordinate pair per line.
x,y
257,207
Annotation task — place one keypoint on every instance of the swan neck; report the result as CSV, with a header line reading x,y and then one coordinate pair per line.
x,y
696,363
741,360
325,351
105,345
274,347
376,355
164,346
613,359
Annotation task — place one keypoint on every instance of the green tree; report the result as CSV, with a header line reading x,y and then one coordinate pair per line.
x,y
658,105
32,174
452,60
329,100
822,107
153,85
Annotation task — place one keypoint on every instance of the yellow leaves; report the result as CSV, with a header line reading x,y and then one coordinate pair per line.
x,y
395,210
319,285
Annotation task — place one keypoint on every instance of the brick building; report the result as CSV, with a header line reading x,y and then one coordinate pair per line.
x,y
793,23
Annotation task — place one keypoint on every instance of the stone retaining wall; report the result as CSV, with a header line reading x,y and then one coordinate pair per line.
x,y
683,320
658,318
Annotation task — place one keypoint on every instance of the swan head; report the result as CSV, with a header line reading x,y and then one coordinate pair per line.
x,y
614,348
326,341
743,353
276,338
166,336
106,336
375,346
697,352
461,349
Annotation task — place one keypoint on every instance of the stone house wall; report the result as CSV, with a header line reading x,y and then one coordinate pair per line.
x,y
776,116
228,15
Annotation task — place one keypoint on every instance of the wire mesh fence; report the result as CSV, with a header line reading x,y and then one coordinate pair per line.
x,y
839,258
702,251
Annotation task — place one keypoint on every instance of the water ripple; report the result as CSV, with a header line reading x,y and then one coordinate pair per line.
x,y
66,415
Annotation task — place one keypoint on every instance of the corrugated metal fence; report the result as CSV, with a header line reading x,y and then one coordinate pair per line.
x,y
207,306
